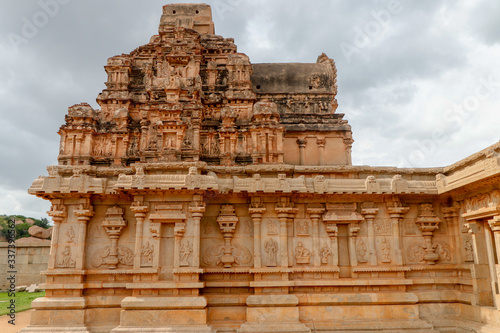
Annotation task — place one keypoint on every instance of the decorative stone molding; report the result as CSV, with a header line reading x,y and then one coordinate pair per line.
x,y
227,221
114,225
428,222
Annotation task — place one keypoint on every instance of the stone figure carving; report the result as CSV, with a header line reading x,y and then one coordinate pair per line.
x,y
147,253
185,251
385,248
271,248
382,227
325,253
302,255
67,261
302,227
124,254
272,227
133,147
468,249
213,255
443,250
99,146
416,252
70,234
361,251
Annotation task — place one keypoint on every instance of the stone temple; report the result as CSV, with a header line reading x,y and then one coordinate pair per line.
x,y
210,194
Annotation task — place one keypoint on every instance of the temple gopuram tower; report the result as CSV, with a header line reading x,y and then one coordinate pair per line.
x,y
210,194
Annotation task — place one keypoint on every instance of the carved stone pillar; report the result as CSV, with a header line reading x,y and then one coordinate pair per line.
x,y
283,209
58,213
256,211
353,232
450,215
348,142
140,209
428,222
197,209
332,230
495,228
196,135
321,147
480,272
302,148
369,215
78,144
396,213
83,215
315,212
179,230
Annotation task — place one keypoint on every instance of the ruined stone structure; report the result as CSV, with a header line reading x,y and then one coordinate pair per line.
x,y
210,194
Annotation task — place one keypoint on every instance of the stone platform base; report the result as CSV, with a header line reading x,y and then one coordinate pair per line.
x,y
55,329
274,328
371,326
170,329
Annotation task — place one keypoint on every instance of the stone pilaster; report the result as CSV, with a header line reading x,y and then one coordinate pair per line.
x,y
58,213
302,150
396,213
284,209
256,211
480,269
321,148
369,215
140,210
315,212
450,215
197,209
83,214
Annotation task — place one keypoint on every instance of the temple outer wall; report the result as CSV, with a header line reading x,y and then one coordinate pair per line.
x,y
31,260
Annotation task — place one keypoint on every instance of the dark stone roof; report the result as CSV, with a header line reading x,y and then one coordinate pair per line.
x,y
293,78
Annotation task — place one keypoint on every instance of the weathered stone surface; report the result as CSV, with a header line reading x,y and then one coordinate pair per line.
x,y
212,194
40,232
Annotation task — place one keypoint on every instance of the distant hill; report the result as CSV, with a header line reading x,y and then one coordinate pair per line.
x,y
22,224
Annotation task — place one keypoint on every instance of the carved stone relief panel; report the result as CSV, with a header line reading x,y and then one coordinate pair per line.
x,y
302,227
415,253
213,255
124,255
147,253
468,248
325,253
384,249
271,250
66,260
271,225
361,250
185,252
383,227
302,254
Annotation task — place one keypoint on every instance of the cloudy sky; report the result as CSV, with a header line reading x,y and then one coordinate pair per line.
x,y
419,80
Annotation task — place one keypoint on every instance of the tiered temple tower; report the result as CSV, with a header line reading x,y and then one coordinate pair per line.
x,y
210,194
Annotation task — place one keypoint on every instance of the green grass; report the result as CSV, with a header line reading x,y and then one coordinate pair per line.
x,y
23,301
